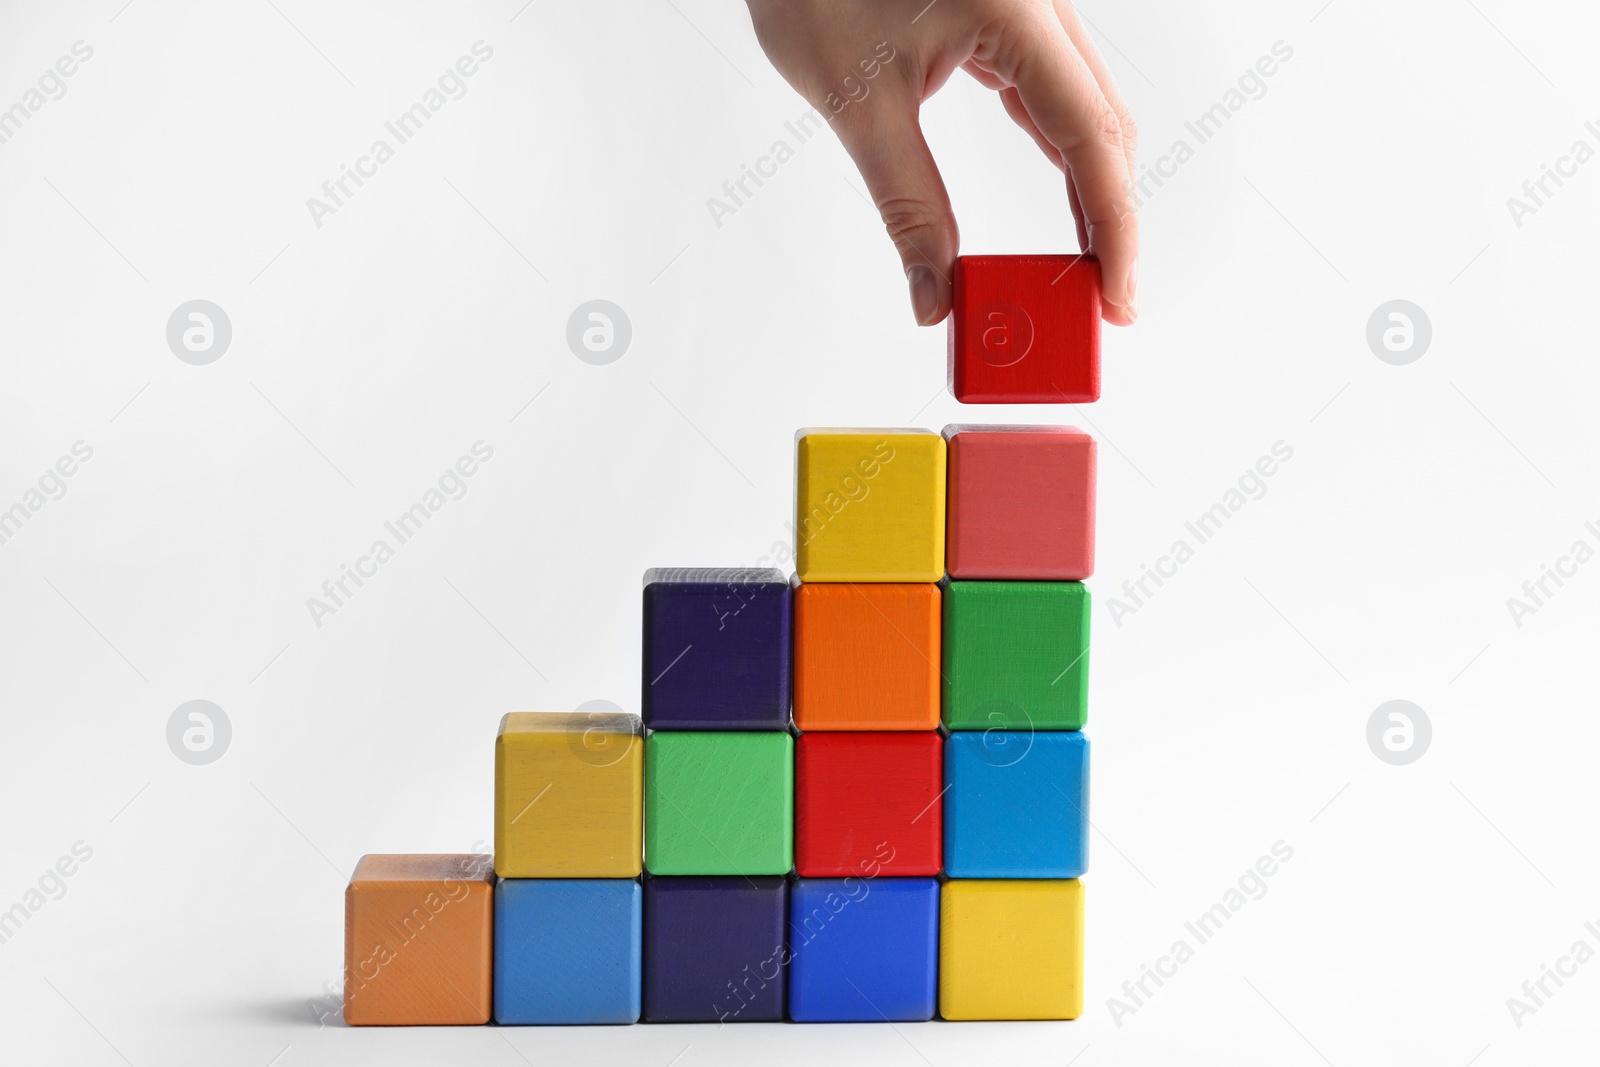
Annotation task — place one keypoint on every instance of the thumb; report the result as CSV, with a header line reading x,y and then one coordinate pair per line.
x,y
887,146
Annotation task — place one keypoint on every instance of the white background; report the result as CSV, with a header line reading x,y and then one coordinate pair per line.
x,y
1229,712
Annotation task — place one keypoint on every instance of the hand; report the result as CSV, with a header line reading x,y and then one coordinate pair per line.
x,y
1051,79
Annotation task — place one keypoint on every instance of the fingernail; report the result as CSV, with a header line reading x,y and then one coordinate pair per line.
x,y
924,294
1133,288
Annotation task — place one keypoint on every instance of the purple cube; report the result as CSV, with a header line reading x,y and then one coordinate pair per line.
x,y
715,949
716,649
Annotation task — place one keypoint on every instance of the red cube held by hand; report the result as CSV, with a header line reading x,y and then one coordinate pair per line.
x,y
1026,330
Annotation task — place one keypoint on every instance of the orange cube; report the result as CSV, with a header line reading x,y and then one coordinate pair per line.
x,y
866,656
418,944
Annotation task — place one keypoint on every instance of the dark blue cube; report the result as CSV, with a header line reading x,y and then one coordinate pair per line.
x,y
567,950
716,649
863,950
714,949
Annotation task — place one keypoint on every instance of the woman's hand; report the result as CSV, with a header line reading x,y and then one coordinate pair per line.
x,y
1050,78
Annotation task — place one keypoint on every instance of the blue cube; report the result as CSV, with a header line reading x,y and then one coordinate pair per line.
x,y
1016,804
567,951
716,649
863,950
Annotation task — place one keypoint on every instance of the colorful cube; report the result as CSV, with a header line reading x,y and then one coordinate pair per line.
x,y
1016,655
866,656
719,803
716,649
417,941
567,951
1016,804
1025,330
1011,949
863,950
867,803
715,949
1021,503
568,795
870,506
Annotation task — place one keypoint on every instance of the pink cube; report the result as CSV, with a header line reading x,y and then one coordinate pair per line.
x,y
1020,504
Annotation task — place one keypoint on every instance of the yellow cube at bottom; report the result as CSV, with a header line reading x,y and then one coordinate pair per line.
x,y
569,795
1011,949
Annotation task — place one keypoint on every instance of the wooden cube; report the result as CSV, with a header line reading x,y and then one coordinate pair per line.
x,y
719,802
418,941
715,949
1016,655
866,656
1025,330
567,950
863,951
568,795
1011,949
716,649
1016,804
870,506
1021,503
868,804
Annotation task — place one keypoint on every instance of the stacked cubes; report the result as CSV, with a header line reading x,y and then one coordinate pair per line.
x,y
719,796
870,545
857,795
568,911
1016,641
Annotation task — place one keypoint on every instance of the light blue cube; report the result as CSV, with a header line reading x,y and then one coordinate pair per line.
x,y
567,951
1016,804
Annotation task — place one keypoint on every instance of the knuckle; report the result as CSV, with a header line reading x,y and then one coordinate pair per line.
x,y
1107,126
909,221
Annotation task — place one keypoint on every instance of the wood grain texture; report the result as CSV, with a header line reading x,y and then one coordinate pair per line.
x,y
567,950
719,802
870,506
1025,330
1021,503
568,795
1016,804
418,941
866,656
1011,949
868,804
716,649
1016,655
863,951
715,949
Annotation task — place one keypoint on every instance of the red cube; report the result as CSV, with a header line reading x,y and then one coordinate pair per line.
x,y
1020,504
1026,330
868,803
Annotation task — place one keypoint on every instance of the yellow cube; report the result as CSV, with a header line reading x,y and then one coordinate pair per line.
x,y
869,506
1011,949
569,795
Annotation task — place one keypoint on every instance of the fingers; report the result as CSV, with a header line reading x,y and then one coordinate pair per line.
x,y
888,148
1102,76
1060,94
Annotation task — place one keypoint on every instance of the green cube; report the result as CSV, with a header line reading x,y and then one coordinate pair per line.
x,y
1016,655
719,802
